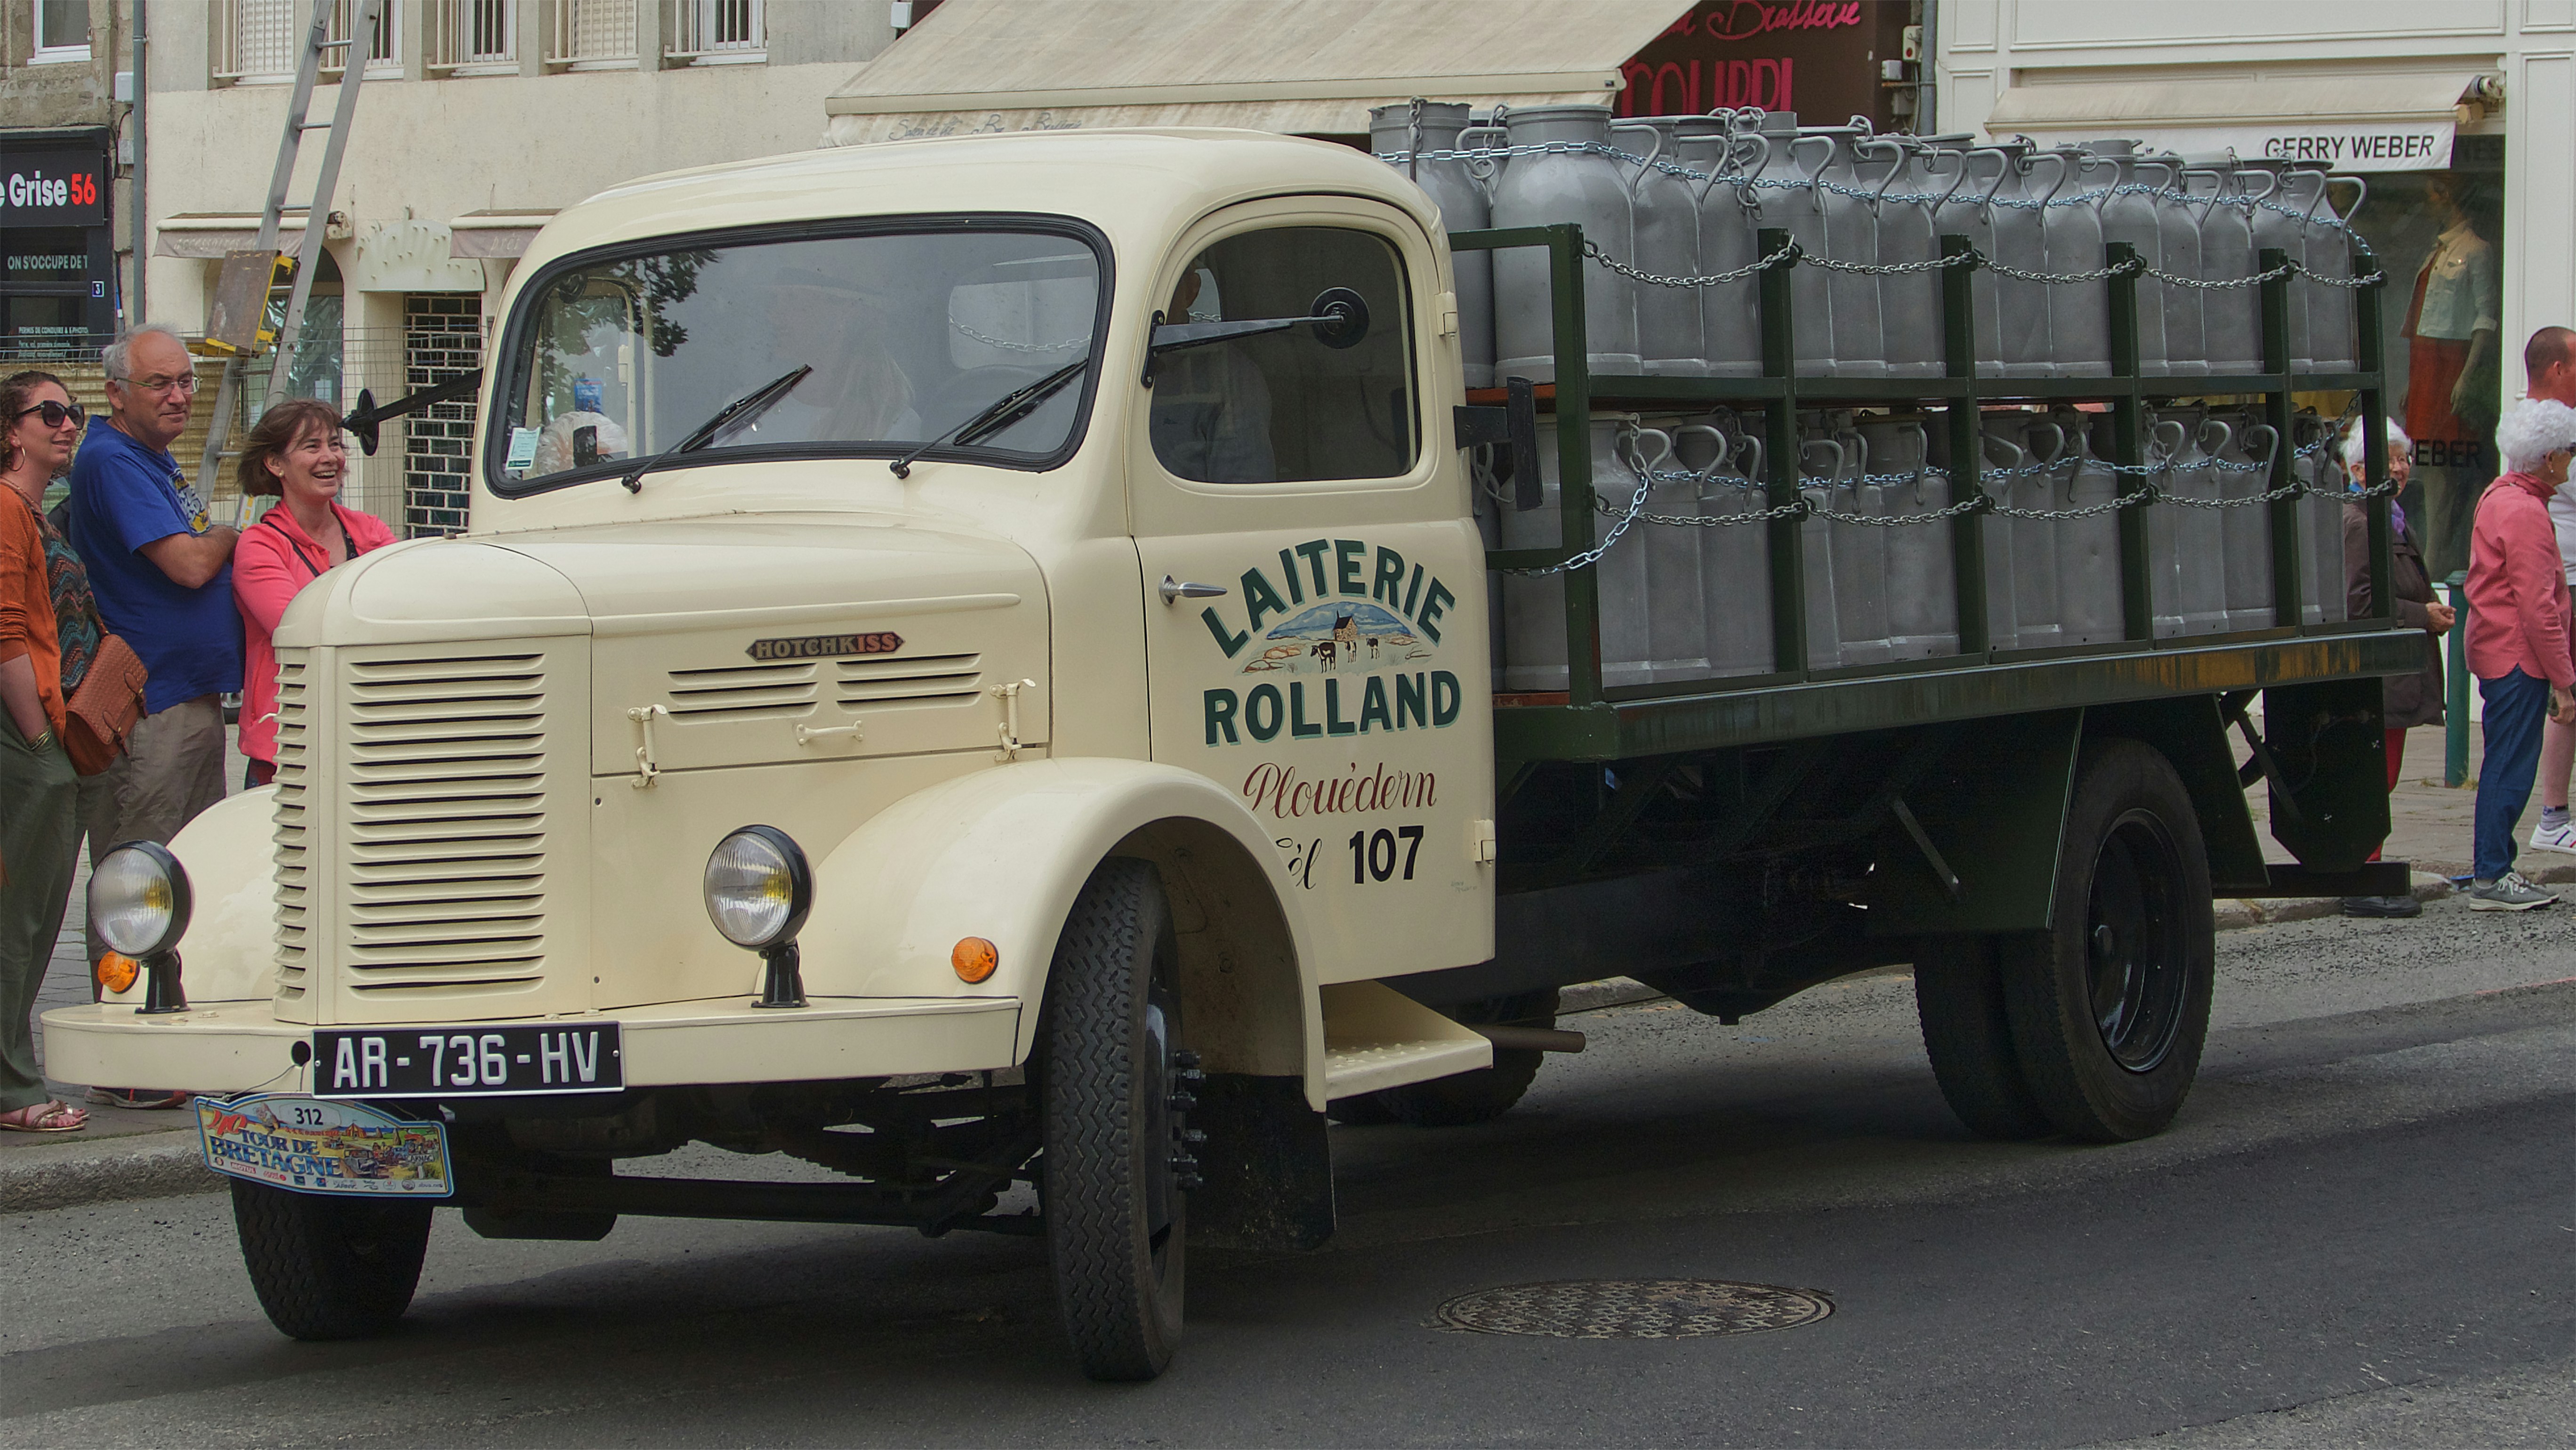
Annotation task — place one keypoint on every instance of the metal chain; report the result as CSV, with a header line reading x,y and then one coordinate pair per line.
x,y
1007,345
2292,489
2256,280
2140,499
2129,268
1970,258
1789,253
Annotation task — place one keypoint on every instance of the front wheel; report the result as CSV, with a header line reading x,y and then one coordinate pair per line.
x,y
1115,1213
2110,1006
329,1268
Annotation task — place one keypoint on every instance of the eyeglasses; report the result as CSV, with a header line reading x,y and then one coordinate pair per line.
x,y
55,414
184,383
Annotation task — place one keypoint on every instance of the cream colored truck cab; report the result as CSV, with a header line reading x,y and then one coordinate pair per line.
x,y
1116,713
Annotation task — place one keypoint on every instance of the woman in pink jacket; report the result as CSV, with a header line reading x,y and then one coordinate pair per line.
x,y
296,454
2519,637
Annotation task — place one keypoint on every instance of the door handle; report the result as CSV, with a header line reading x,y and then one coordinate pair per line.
x,y
1172,589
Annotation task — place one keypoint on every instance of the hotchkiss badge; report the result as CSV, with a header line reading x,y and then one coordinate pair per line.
x,y
825,646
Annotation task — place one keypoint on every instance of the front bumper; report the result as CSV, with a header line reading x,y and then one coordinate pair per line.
x,y
229,1047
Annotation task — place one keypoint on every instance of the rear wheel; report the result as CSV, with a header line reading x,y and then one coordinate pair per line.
x,y
1115,1212
1488,1092
2110,1007
329,1268
1959,997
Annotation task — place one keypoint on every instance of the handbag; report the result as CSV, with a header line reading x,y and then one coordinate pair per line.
x,y
99,718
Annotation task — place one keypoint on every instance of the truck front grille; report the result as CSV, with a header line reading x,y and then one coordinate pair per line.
x,y
294,826
445,847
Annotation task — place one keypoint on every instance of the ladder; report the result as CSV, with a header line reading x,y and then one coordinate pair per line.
x,y
362,17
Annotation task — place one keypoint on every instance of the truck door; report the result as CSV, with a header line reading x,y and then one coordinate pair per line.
x,y
1340,683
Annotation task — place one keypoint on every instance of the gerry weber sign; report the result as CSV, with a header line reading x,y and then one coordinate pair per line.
x,y
2360,146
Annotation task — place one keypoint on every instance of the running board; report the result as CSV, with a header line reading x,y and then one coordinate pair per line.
x,y
1376,1037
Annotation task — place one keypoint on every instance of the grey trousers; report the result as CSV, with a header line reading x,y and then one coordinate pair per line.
x,y
174,770
38,833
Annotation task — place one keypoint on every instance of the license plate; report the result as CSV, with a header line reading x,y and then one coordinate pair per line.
x,y
454,1062
305,1145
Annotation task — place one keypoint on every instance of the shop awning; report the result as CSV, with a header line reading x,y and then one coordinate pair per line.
x,y
214,235
2361,122
1312,67
483,234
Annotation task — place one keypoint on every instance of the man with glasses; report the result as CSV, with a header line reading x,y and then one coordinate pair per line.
x,y
162,573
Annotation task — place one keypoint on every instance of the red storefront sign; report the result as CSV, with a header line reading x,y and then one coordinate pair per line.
x,y
1816,57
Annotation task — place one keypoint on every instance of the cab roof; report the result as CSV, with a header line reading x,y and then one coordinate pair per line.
x,y
1139,185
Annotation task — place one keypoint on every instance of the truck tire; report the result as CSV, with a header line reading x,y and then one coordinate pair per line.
x,y
1115,1211
1959,998
329,1268
2109,1008
1488,1092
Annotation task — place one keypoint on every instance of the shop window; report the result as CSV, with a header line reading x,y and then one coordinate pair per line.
x,y
62,31
1288,407
2439,236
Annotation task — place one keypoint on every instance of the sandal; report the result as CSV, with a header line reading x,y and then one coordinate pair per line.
x,y
147,1099
53,1117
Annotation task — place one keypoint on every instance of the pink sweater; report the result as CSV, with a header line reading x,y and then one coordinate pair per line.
x,y
2518,617
271,565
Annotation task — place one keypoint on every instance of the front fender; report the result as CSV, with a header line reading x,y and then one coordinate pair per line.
x,y
229,851
1001,854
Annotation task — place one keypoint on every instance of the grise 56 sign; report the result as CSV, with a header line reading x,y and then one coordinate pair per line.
x,y
52,189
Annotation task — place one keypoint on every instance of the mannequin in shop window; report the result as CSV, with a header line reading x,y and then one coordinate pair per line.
x,y
2451,327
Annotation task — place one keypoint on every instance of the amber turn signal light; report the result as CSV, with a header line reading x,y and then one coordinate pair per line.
x,y
116,972
974,958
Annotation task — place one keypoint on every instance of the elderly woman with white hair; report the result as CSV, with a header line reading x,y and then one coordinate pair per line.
x,y
2407,700
2519,637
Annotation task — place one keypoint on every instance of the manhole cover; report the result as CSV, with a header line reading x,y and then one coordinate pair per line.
x,y
1633,1309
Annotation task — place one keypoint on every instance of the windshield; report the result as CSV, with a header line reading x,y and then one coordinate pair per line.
x,y
906,334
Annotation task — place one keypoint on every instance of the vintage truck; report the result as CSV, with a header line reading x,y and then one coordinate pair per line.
x,y
972,666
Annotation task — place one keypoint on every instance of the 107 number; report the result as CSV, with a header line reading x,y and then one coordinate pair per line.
x,y
1373,853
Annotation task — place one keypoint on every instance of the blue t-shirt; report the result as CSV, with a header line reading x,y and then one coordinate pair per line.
x,y
125,496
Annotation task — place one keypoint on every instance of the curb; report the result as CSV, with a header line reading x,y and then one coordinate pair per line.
x,y
2235,914
144,1165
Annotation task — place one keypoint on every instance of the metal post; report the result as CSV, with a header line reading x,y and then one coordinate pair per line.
x,y
2137,570
2455,715
136,313
2288,599
1574,463
1780,449
2374,417
1967,456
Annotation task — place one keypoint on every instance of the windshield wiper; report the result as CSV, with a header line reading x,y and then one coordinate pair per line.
x,y
1001,413
729,417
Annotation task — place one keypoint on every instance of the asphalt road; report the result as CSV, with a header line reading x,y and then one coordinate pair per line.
x,y
2361,1230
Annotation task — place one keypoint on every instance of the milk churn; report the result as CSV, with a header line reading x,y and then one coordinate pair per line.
x,y
2331,330
2038,622
1730,314
2088,548
1820,463
1670,336
2321,564
2079,317
2243,458
1828,159
2178,233
2198,538
1922,595
1859,551
2231,317
2020,242
1969,178
1576,185
2279,221
1905,201
1676,619
1410,130
1734,559
1534,604
2127,215
1785,196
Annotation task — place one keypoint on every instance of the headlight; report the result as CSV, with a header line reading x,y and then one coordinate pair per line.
x,y
758,887
139,899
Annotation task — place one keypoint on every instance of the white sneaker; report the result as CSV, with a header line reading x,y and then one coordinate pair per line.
x,y
2555,838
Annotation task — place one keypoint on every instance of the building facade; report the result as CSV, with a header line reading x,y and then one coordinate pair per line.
x,y
476,121
2457,119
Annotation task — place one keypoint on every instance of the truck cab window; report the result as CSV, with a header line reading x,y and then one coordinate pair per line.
x,y
1285,407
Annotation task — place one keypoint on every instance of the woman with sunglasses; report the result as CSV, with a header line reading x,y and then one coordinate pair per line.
x,y
40,820
295,454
